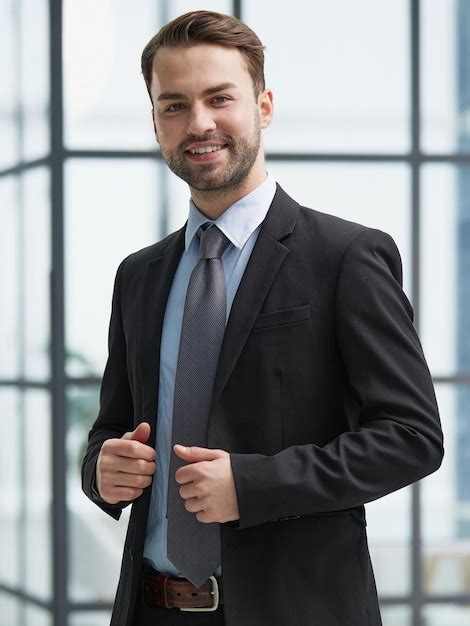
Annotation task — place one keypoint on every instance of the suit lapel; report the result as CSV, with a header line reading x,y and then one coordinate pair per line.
x,y
263,265
156,289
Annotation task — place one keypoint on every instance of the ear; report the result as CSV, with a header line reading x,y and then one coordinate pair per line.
x,y
154,127
266,108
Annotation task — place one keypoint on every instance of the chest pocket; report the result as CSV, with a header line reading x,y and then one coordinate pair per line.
x,y
282,317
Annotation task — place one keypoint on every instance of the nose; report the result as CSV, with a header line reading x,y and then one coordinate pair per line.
x,y
201,120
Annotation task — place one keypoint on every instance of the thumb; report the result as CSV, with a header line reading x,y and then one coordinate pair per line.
x,y
141,433
194,453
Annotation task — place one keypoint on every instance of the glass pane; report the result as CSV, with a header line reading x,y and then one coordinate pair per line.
x,y
10,245
25,482
24,274
36,248
34,51
37,494
106,101
445,28
9,93
339,72
11,481
445,268
448,614
96,540
389,534
96,618
178,7
396,616
376,195
112,209
35,616
446,500
10,609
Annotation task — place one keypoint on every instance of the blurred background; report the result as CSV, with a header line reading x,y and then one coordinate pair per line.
x,y
372,123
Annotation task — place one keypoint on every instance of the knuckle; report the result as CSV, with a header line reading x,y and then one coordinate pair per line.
x,y
142,481
142,465
104,461
110,445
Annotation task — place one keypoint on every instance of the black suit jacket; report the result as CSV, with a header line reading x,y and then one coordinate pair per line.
x,y
322,397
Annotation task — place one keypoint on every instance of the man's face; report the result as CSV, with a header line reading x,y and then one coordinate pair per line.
x,y
228,117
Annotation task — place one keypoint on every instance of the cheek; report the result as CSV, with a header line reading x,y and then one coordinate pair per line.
x,y
168,135
236,124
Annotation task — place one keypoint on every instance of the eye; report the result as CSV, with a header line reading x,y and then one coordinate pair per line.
x,y
171,108
223,98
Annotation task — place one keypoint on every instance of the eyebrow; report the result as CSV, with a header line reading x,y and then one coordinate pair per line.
x,y
176,95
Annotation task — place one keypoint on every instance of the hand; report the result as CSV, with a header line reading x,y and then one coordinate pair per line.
x,y
208,487
125,466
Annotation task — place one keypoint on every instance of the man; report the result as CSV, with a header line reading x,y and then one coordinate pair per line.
x,y
275,343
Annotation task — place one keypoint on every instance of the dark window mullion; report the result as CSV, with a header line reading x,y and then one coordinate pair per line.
x,y
415,75
58,422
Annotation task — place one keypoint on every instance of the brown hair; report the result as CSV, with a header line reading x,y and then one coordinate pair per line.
x,y
208,27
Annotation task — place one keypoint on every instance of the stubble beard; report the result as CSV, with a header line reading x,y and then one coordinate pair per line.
x,y
209,177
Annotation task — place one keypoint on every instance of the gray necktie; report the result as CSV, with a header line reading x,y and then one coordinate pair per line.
x,y
193,546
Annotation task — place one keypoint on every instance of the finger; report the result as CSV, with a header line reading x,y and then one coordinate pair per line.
x,y
193,505
118,494
194,472
115,463
204,517
187,474
189,490
131,449
112,480
195,453
141,433
122,479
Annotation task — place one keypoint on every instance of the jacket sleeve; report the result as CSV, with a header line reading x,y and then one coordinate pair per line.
x,y
399,438
115,415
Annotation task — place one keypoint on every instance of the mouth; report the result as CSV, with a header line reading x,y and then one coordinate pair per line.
x,y
206,156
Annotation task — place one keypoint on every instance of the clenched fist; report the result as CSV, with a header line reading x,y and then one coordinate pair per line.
x,y
125,466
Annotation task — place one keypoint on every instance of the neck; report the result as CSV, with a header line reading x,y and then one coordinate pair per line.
x,y
213,203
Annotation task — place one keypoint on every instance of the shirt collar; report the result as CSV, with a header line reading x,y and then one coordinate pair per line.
x,y
238,221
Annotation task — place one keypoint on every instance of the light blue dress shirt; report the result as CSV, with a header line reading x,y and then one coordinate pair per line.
x,y
241,224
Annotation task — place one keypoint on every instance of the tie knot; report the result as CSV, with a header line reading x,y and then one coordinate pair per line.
x,y
212,242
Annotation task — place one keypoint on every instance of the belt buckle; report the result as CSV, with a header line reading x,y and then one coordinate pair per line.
x,y
215,603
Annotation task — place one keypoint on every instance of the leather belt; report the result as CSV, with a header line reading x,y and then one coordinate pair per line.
x,y
163,591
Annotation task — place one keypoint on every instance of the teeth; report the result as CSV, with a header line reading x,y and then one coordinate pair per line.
x,y
205,149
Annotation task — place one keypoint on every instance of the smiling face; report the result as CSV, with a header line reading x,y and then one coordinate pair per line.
x,y
203,95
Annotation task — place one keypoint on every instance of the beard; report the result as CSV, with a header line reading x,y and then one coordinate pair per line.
x,y
207,177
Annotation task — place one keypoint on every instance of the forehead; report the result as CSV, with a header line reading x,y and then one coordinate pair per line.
x,y
184,68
